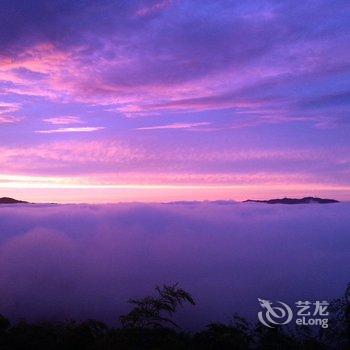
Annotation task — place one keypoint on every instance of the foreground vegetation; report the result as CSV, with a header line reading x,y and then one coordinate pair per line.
x,y
149,325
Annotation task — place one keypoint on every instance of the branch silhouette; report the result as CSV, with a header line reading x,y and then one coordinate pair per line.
x,y
156,312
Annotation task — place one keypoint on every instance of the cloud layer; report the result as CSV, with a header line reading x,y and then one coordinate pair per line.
x,y
86,261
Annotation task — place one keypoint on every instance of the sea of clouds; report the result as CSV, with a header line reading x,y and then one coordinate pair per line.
x,y
86,261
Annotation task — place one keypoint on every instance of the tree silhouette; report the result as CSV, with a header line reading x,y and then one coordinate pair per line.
x,y
337,335
149,325
156,312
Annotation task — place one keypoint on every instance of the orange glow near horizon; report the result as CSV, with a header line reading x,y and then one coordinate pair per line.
x,y
71,190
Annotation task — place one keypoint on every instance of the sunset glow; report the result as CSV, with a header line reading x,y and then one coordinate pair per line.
x,y
169,100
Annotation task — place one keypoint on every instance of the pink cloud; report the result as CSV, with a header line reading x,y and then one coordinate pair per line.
x,y
26,159
113,152
68,76
153,9
65,130
111,164
5,110
6,107
42,58
145,187
63,120
193,72
7,119
161,179
174,126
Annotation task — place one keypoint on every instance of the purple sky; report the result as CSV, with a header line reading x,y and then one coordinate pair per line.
x,y
166,100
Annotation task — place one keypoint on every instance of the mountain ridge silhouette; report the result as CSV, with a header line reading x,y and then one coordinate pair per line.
x,y
286,200
8,200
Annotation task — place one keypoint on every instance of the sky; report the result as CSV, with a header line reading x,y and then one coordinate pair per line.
x,y
161,100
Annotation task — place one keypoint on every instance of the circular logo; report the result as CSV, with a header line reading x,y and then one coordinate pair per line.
x,y
278,314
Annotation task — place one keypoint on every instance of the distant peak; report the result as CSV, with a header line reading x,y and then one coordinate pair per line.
x,y
286,200
8,200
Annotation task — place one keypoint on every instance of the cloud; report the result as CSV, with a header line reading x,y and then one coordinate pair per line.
x,y
166,180
7,119
77,129
63,120
213,56
84,261
111,162
5,109
154,8
174,126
